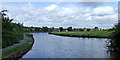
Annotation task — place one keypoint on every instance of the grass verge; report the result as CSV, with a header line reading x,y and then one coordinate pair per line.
x,y
18,48
86,33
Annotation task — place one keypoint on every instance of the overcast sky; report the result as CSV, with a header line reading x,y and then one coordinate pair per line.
x,y
63,14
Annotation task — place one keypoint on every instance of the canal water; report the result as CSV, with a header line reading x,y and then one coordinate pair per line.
x,y
53,46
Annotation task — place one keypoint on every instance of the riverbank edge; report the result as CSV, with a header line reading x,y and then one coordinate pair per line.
x,y
19,54
78,36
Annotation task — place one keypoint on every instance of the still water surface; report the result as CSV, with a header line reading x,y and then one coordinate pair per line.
x,y
53,46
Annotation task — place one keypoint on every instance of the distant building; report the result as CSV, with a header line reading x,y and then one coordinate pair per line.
x,y
85,29
65,30
76,29
56,30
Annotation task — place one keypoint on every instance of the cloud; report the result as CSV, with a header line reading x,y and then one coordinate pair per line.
x,y
104,10
51,7
55,16
91,4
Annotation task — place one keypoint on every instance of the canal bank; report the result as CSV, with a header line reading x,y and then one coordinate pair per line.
x,y
78,36
16,51
95,34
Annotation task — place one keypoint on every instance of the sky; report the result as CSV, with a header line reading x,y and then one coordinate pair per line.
x,y
63,14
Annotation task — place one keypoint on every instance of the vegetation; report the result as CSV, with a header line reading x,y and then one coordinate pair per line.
x,y
96,28
61,29
45,29
51,29
69,28
29,35
38,29
88,29
115,39
81,29
86,33
11,32
18,48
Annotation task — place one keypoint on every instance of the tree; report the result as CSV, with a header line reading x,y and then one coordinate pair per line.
x,y
61,29
88,29
115,39
96,28
37,29
51,29
45,29
2,13
11,32
111,29
81,29
69,28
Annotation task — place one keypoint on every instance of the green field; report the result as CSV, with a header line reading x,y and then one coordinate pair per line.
x,y
86,33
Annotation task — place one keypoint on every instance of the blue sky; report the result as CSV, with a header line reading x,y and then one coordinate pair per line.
x,y
65,14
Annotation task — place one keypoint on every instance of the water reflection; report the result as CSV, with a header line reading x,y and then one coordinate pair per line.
x,y
52,46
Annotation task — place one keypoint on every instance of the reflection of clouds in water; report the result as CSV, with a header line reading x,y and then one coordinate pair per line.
x,y
52,46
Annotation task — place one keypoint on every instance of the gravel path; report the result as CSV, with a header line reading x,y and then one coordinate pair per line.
x,y
18,44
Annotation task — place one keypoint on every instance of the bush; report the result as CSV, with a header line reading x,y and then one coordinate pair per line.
x,y
28,34
69,28
81,29
11,32
115,39
88,29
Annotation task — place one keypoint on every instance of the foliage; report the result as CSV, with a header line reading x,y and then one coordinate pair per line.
x,y
37,29
51,29
29,35
88,29
69,28
81,29
105,29
16,49
111,29
61,28
96,28
45,29
11,32
115,39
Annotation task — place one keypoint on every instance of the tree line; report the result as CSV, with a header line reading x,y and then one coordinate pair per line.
x,y
11,32
83,29
60,29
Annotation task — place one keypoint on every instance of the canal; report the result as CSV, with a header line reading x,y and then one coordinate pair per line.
x,y
53,46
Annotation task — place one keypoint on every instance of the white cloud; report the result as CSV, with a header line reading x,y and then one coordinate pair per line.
x,y
51,7
56,16
104,10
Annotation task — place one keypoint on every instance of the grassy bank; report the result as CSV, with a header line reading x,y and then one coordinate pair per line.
x,y
29,35
17,49
36,32
99,34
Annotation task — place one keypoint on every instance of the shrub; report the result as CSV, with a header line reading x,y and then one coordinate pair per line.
x,y
11,32
88,29
81,29
115,39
